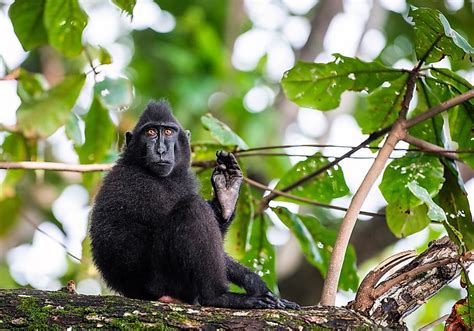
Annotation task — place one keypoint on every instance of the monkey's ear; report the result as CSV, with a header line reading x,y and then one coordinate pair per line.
x,y
128,137
188,134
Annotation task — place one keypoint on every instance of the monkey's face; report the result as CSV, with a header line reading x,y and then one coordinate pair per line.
x,y
157,142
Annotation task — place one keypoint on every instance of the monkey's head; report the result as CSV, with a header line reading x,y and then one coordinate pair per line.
x,y
158,142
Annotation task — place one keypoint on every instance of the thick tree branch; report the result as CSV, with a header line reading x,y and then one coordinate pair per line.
x,y
35,309
337,258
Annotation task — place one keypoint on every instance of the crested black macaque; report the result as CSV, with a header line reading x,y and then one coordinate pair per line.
x,y
154,236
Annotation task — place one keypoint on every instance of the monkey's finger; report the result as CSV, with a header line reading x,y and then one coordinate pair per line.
x,y
290,305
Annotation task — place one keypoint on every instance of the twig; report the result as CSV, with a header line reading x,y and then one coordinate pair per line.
x,y
9,128
434,323
56,166
429,147
440,108
306,200
337,258
36,226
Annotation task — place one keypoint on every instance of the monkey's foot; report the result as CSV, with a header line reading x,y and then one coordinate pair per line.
x,y
168,299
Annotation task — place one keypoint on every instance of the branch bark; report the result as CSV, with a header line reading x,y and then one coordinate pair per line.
x,y
36,309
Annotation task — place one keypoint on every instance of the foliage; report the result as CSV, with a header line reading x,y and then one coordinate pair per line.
x,y
419,188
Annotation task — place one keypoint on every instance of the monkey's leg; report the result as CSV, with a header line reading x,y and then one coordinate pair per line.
x,y
253,284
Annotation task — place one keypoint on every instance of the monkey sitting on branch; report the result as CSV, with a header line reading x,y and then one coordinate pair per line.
x,y
153,236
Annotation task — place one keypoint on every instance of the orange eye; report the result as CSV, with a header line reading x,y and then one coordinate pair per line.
x,y
151,132
168,132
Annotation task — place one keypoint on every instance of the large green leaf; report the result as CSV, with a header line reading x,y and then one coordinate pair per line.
x,y
221,132
453,199
44,115
384,104
27,20
126,5
426,170
100,134
316,242
117,94
260,254
406,221
323,188
65,20
73,130
320,85
237,237
434,38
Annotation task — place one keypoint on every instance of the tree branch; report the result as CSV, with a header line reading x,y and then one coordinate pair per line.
x,y
328,297
429,147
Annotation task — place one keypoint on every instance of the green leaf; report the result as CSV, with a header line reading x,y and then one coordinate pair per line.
x,y
237,237
426,170
323,188
104,56
27,20
434,38
260,254
453,199
430,130
221,132
100,134
44,115
65,20
316,242
435,212
30,85
384,104
9,212
460,118
406,221
117,94
320,85
126,5
73,130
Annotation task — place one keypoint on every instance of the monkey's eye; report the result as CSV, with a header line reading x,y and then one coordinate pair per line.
x,y
168,132
151,132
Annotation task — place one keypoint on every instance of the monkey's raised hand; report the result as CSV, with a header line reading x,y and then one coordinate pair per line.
x,y
226,180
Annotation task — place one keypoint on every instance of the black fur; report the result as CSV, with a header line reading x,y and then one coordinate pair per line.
x,y
153,235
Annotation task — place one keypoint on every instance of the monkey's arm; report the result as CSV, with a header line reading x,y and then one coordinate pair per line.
x,y
253,284
226,180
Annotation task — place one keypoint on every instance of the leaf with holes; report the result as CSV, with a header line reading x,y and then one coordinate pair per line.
x,y
43,115
27,20
221,132
64,21
316,242
323,188
426,170
320,85
434,38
